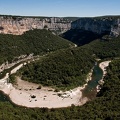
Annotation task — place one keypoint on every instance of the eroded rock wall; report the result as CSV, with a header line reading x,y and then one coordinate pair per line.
x,y
98,25
19,25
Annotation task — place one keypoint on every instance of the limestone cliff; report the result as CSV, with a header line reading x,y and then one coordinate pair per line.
x,y
19,25
98,25
115,29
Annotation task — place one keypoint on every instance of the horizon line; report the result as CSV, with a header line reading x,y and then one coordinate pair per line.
x,y
59,16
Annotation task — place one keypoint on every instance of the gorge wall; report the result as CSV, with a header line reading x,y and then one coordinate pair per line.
x,y
19,25
98,25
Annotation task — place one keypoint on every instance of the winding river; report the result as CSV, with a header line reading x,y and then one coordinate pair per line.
x,y
90,90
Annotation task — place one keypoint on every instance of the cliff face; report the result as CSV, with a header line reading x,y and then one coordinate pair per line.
x,y
115,29
98,25
19,25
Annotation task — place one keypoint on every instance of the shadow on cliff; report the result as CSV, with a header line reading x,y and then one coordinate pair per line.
x,y
81,37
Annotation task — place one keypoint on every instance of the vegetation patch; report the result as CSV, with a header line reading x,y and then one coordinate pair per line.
x,y
34,41
64,69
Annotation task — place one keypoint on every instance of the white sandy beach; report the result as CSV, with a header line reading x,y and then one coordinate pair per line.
x,y
103,66
44,97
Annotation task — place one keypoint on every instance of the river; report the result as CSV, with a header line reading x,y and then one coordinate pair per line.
x,y
90,90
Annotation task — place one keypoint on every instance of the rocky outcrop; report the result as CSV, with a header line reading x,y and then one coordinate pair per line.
x,y
100,25
19,25
16,60
115,29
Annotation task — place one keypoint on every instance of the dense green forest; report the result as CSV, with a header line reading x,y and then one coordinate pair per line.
x,y
34,41
69,68
104,48
104,107
65,69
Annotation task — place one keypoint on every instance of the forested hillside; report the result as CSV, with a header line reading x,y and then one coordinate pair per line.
x,y
69,68
64,69
34,41
104,48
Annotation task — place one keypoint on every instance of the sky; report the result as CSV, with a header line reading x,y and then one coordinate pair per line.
x,y
60,8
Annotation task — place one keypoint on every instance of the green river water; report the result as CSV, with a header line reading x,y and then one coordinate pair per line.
x,y
90,90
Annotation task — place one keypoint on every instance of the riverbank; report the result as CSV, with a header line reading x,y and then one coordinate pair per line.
x,y
30,95
103,66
